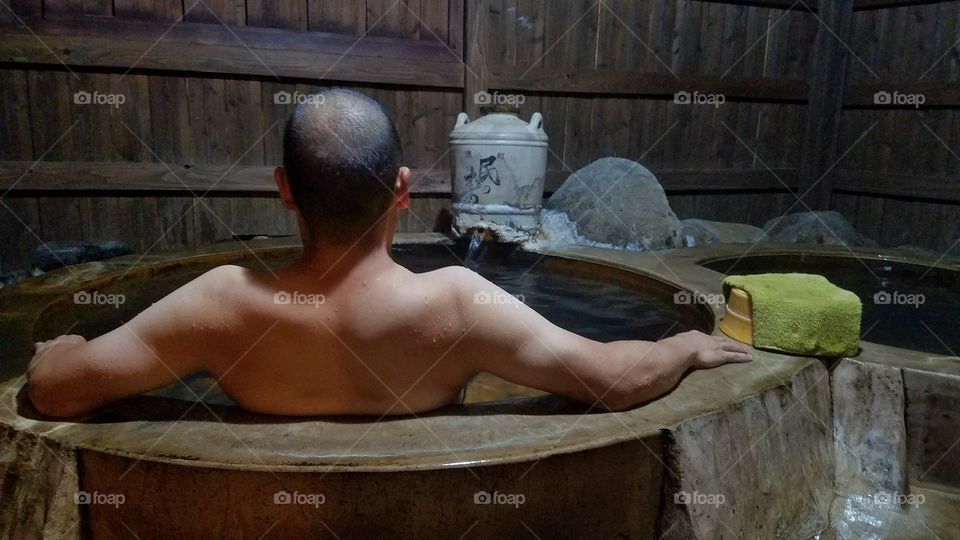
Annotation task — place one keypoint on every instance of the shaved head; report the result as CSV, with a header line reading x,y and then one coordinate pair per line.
x,y
342,154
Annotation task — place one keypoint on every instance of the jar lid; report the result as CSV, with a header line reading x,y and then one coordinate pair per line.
x,y
499,126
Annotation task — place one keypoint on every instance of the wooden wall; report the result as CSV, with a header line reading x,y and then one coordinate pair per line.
x,y
186,159
900,181
183,121
604,75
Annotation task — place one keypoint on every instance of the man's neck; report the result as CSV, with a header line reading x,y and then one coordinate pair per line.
x,y
337,260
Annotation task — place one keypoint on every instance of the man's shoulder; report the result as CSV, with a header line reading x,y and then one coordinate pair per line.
x,y
455,280
223,275
219,284
454,274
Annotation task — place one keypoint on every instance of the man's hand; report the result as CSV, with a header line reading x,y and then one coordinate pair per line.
x,y
712,351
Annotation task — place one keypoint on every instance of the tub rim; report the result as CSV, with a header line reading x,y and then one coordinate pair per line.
x,y
699,394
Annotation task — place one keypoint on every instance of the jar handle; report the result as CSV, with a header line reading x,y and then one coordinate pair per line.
x,y
536,121
462,119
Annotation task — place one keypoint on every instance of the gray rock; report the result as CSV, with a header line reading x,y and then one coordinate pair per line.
x,y
56,254
13,277
697,232
617,201
767,471
821,227
870,430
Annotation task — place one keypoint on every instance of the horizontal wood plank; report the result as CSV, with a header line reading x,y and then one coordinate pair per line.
x,y
805,5
118,176
905,186
50,176
810,5
644,84
213,48
860,5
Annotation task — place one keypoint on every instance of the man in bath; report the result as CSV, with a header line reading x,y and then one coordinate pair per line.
x,y
346,330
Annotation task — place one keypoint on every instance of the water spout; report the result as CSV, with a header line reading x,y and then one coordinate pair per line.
x,y
472,260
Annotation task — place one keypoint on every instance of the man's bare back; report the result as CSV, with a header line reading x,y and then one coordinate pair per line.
x,y
346,330
376,340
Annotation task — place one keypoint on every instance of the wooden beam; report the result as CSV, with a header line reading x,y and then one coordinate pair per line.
x,y
106,42
810,5
901,186
53,176
861,5
644,84
828,73
125,176
795,5
935,95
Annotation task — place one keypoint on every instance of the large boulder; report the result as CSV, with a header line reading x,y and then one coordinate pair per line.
x,y
619,202
697,232
815,227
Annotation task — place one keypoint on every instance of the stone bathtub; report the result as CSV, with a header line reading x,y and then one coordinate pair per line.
x,y
780,448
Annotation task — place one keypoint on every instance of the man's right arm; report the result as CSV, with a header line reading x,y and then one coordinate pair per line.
x,y
512,341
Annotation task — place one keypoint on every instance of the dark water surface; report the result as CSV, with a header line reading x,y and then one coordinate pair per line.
x,y
600,309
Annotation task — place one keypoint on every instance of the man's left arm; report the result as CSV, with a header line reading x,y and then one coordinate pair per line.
x,y
69,376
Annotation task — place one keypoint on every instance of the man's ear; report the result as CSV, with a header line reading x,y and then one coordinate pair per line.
x,y
401,188
283,186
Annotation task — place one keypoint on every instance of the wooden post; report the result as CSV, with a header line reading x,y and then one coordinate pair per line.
x,y
828,72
